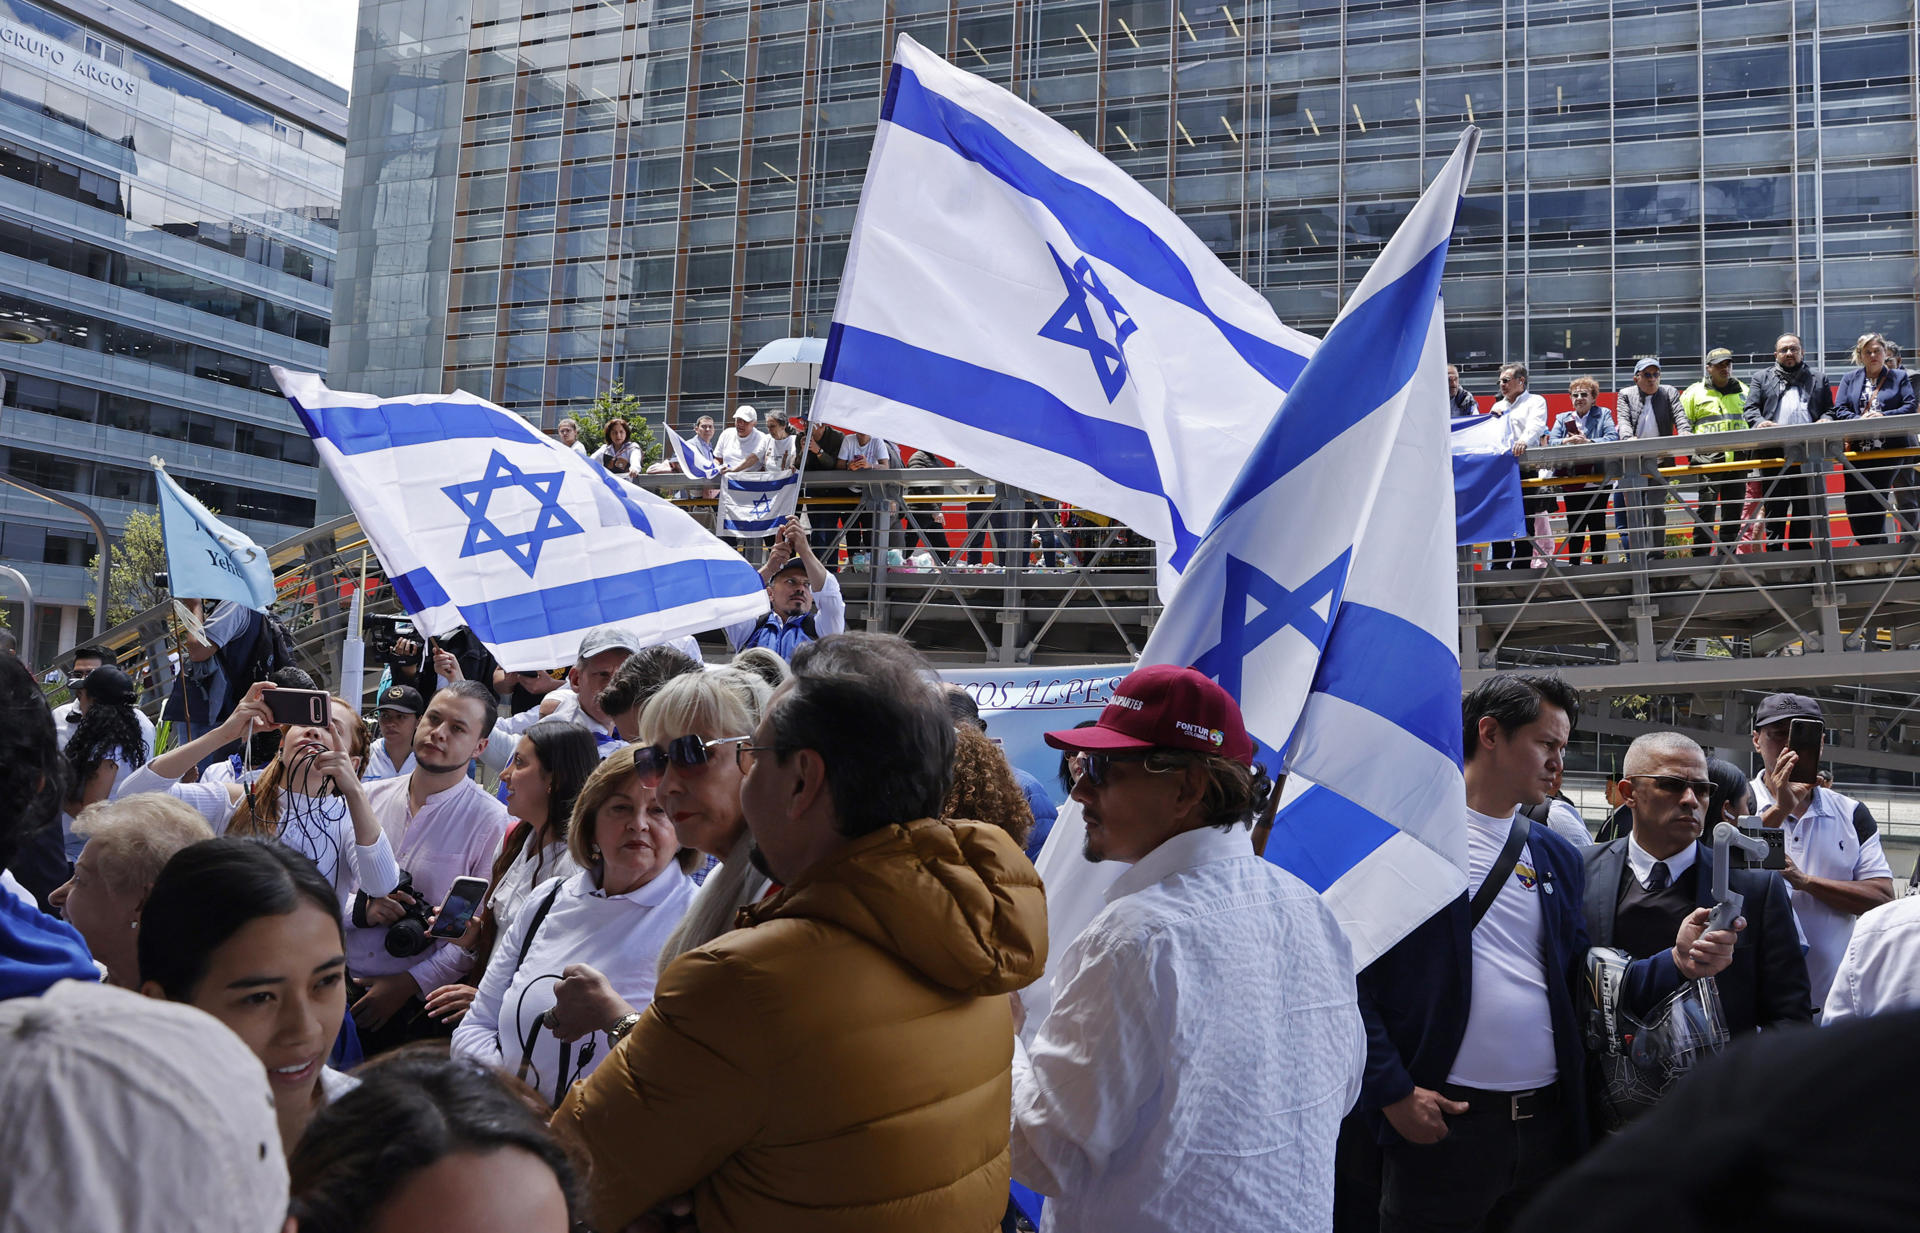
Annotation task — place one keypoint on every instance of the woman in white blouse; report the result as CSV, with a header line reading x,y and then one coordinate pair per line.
x,y
618,455
612,917
309,797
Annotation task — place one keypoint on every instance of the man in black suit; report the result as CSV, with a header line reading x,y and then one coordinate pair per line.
x,y
1640,887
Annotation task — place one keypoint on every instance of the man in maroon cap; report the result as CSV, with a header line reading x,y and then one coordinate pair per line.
x,y
1203,1042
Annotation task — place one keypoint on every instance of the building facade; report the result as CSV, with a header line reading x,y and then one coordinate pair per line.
x,y
546,196
169,214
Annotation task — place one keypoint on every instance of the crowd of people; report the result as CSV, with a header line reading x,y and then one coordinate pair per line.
x,y
762,945
1743,511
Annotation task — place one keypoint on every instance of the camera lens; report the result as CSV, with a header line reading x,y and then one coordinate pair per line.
x,y
406,938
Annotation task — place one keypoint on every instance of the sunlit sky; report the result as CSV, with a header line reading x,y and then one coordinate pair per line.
x,y
316,34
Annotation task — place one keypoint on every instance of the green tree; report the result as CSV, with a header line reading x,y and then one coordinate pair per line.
x,y
137,557
615,403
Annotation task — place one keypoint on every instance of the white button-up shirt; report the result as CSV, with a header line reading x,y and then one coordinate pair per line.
x,y
1524,420
1880,970
1824,844
1203,1045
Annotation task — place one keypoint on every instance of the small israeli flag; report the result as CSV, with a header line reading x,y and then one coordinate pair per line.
x,y
482,521
206,558
1015,302
1486,483
1322,597
753,506
693,460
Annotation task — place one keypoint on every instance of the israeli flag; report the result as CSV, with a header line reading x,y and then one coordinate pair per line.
x,y
753,506
483,521
692,459
1014,301
1486,483
1322,597
206,558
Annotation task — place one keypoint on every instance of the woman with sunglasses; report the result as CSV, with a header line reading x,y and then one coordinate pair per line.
x,y
309,797
601,926
692,731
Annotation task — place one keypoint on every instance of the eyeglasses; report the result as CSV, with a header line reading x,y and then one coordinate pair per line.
x,y
686,752
1097,768
1673,785
743,755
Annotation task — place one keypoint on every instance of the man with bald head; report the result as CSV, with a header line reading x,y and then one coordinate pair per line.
x,y
1639,888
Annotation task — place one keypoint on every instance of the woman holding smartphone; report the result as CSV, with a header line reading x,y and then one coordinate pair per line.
x,y
309,797
611,917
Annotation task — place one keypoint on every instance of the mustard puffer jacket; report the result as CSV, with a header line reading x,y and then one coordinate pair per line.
x,y
843,1061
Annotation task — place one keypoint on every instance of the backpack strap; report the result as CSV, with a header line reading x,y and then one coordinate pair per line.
x,y
1502,869
533,926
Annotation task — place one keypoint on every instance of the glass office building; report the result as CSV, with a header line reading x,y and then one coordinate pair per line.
x,y
544,197
169,211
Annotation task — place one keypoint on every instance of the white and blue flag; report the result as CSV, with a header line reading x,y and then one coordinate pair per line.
x,y
693,460
206,557
1486,482
1322,597
483,521
753,505
1014,301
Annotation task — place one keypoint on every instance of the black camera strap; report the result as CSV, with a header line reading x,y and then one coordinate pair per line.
x,y
1502,869
533,1029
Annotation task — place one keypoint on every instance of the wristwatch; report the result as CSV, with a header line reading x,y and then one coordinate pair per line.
x,y
621,1026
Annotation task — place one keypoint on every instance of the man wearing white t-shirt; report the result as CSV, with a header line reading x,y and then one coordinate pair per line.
x,y
1523,416
745,449
1475,1055
1835,866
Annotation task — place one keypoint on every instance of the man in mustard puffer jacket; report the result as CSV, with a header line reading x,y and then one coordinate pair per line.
x,y
842,1061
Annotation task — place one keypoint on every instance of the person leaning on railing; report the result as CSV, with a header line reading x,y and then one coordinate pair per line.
x,y
1712,405
1648,409
1871,391
1790,392
1588,423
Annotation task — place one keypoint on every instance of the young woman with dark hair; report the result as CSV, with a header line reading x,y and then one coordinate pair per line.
x,y
550,764
250,933
35,949
107,745
309,797
433,1143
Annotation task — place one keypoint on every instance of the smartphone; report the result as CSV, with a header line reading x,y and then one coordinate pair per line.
x,y
463,900
307,708
1803,738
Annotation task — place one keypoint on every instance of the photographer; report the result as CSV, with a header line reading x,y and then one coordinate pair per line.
x,y
442,826
308,798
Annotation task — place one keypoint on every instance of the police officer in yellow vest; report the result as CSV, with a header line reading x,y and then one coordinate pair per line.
x,y
1717,404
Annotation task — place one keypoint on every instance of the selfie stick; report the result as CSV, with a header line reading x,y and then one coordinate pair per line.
x,y
1727,903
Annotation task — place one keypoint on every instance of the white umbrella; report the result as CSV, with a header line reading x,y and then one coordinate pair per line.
x,y
793,363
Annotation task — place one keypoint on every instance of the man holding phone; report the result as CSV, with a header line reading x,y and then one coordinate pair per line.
x,y
1835,866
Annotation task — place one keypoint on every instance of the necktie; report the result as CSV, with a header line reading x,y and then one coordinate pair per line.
x,y
1659,879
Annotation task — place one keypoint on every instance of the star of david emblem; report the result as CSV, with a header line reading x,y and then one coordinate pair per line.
x,y
763,506
1072,323
1280,608
483,535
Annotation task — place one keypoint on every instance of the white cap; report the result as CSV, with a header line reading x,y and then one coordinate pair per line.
x,y
746,413
129,1113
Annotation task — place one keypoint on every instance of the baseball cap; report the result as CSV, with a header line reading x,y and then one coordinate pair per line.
x,y
1165,707
1651,361
745,413
1776,707
402,698
1719,355
608,638
792,564
109,685
126,1112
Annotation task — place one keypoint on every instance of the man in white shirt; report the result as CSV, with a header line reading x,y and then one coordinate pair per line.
x,y
441,825
1523,414
66,718
399,715
1880,970
1835,866
1203,1042
745,449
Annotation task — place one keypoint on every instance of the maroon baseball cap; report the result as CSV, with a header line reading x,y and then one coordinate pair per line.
x,y
1165,707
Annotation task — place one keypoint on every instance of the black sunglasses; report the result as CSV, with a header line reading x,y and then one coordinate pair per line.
x,y
1098,767
1674,785
685,752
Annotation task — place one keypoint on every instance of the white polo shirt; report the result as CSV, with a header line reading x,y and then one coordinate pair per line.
x,y
1823,843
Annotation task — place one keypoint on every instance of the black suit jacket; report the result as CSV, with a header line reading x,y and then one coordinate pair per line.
x,y
1766,984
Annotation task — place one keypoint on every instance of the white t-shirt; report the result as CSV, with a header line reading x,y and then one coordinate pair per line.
x,y
729,448
874,451
1793,407
780,453
1508,1046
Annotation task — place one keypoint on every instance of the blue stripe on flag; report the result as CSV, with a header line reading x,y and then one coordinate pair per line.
x,y
1390,666
1486,492
1388,327
1098,227
742,483
363,430
758,527
571,605
1320,835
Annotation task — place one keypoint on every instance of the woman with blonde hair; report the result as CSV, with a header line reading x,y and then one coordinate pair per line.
x,y
1873,390
308,798
128,841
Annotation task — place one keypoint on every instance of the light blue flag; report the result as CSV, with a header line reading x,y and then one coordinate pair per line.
x,y
206,558
1014,301
1486,483
692,459
753,506
483,521
1322,597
